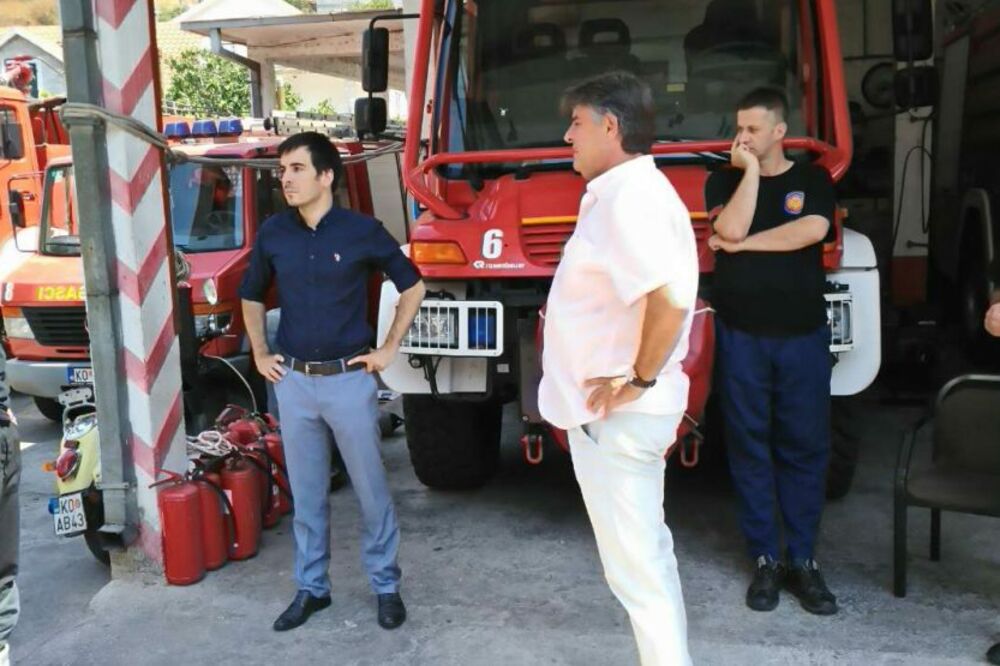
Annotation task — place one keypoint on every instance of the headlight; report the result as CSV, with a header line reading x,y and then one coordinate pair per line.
x,y
80,427
434,327
210,292
211,323
17,327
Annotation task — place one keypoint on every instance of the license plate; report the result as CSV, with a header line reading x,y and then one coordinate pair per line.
x,y
69,516
80,375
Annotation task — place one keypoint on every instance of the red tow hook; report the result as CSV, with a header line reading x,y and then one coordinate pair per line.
x,y
533,448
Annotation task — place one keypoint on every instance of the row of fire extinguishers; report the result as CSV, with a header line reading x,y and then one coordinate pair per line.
x,y
237,486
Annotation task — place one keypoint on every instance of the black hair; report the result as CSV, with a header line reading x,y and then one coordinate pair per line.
x,y
624,96
324,155
772,99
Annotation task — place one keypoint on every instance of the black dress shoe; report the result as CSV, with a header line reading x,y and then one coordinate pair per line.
x,y
391,611
303,605
806,582
993,656
762,595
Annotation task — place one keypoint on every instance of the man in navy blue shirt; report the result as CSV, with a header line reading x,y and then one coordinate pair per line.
x,y
321,258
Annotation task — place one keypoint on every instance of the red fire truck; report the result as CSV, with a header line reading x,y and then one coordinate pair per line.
x,y
215,211
496,198
31,135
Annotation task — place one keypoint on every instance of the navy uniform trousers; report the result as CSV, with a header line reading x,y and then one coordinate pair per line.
x,y
776,405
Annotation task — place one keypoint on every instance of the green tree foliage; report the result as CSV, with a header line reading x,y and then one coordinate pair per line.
x,y
288,99
360,5
203,80
325,108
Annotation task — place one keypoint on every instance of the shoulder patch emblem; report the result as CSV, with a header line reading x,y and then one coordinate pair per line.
x,y
794,202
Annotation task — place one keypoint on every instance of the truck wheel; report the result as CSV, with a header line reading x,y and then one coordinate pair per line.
x,y
93,540
974,299
453,445
844,450
50,408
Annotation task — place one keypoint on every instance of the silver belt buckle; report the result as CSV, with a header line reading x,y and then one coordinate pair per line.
x,y
308,371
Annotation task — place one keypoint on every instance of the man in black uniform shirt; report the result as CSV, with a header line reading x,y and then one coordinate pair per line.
x,y
771,217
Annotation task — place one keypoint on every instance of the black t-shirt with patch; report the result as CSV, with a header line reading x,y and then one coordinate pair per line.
x,y
774,293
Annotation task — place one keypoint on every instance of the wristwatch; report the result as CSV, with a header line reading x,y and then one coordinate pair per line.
x,y
639,382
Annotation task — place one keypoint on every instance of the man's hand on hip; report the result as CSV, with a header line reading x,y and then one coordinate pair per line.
x,y
270,366
992,321
610,393
378,360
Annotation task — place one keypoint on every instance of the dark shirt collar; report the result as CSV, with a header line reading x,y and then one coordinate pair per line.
x,y
327,217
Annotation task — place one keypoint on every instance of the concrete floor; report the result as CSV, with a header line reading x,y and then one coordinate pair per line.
x,y
509,575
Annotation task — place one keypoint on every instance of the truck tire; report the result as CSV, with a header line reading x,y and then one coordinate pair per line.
x,y
453,445
844,450
50,408
974,297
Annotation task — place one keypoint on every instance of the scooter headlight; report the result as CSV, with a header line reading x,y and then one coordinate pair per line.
x,y
80,427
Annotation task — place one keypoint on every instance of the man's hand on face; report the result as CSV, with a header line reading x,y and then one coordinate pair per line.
x,y
376,361
992,321
270,366
610,393
742,158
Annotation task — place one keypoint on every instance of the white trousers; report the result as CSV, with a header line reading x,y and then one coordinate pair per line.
x,y
619,464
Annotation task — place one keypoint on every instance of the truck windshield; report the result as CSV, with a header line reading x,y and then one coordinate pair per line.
x,y
206,207
60,228
511,60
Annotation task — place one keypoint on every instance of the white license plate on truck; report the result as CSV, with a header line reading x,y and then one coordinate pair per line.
x,y
69,516
80,375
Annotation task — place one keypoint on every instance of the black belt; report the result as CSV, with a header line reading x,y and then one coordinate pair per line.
x,y
327,368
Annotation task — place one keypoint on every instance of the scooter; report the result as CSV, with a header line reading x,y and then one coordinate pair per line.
x,y
78,507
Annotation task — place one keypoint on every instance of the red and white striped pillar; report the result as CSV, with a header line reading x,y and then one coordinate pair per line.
x,y
127,56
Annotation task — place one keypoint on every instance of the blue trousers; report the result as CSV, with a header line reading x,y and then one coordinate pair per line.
x,y
314,410
776,405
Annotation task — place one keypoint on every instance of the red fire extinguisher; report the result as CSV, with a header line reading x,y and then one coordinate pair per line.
x,y
180,526
272,477
216,519
239,481
279,471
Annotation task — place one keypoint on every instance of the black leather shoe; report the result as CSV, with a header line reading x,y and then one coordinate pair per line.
x,y
806,582
762,595
391,611
299,611
993,656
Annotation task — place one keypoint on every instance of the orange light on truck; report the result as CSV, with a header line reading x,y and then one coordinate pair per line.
x,y
437,253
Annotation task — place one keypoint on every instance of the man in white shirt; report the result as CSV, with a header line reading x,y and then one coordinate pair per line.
x,y
616,330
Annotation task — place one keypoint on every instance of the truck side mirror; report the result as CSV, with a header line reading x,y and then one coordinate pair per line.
x,y
370,116
912,30
11,141
916,87
375,60
16,205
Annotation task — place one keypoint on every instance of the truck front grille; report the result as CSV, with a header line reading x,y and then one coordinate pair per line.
x,y
543,243
59,327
